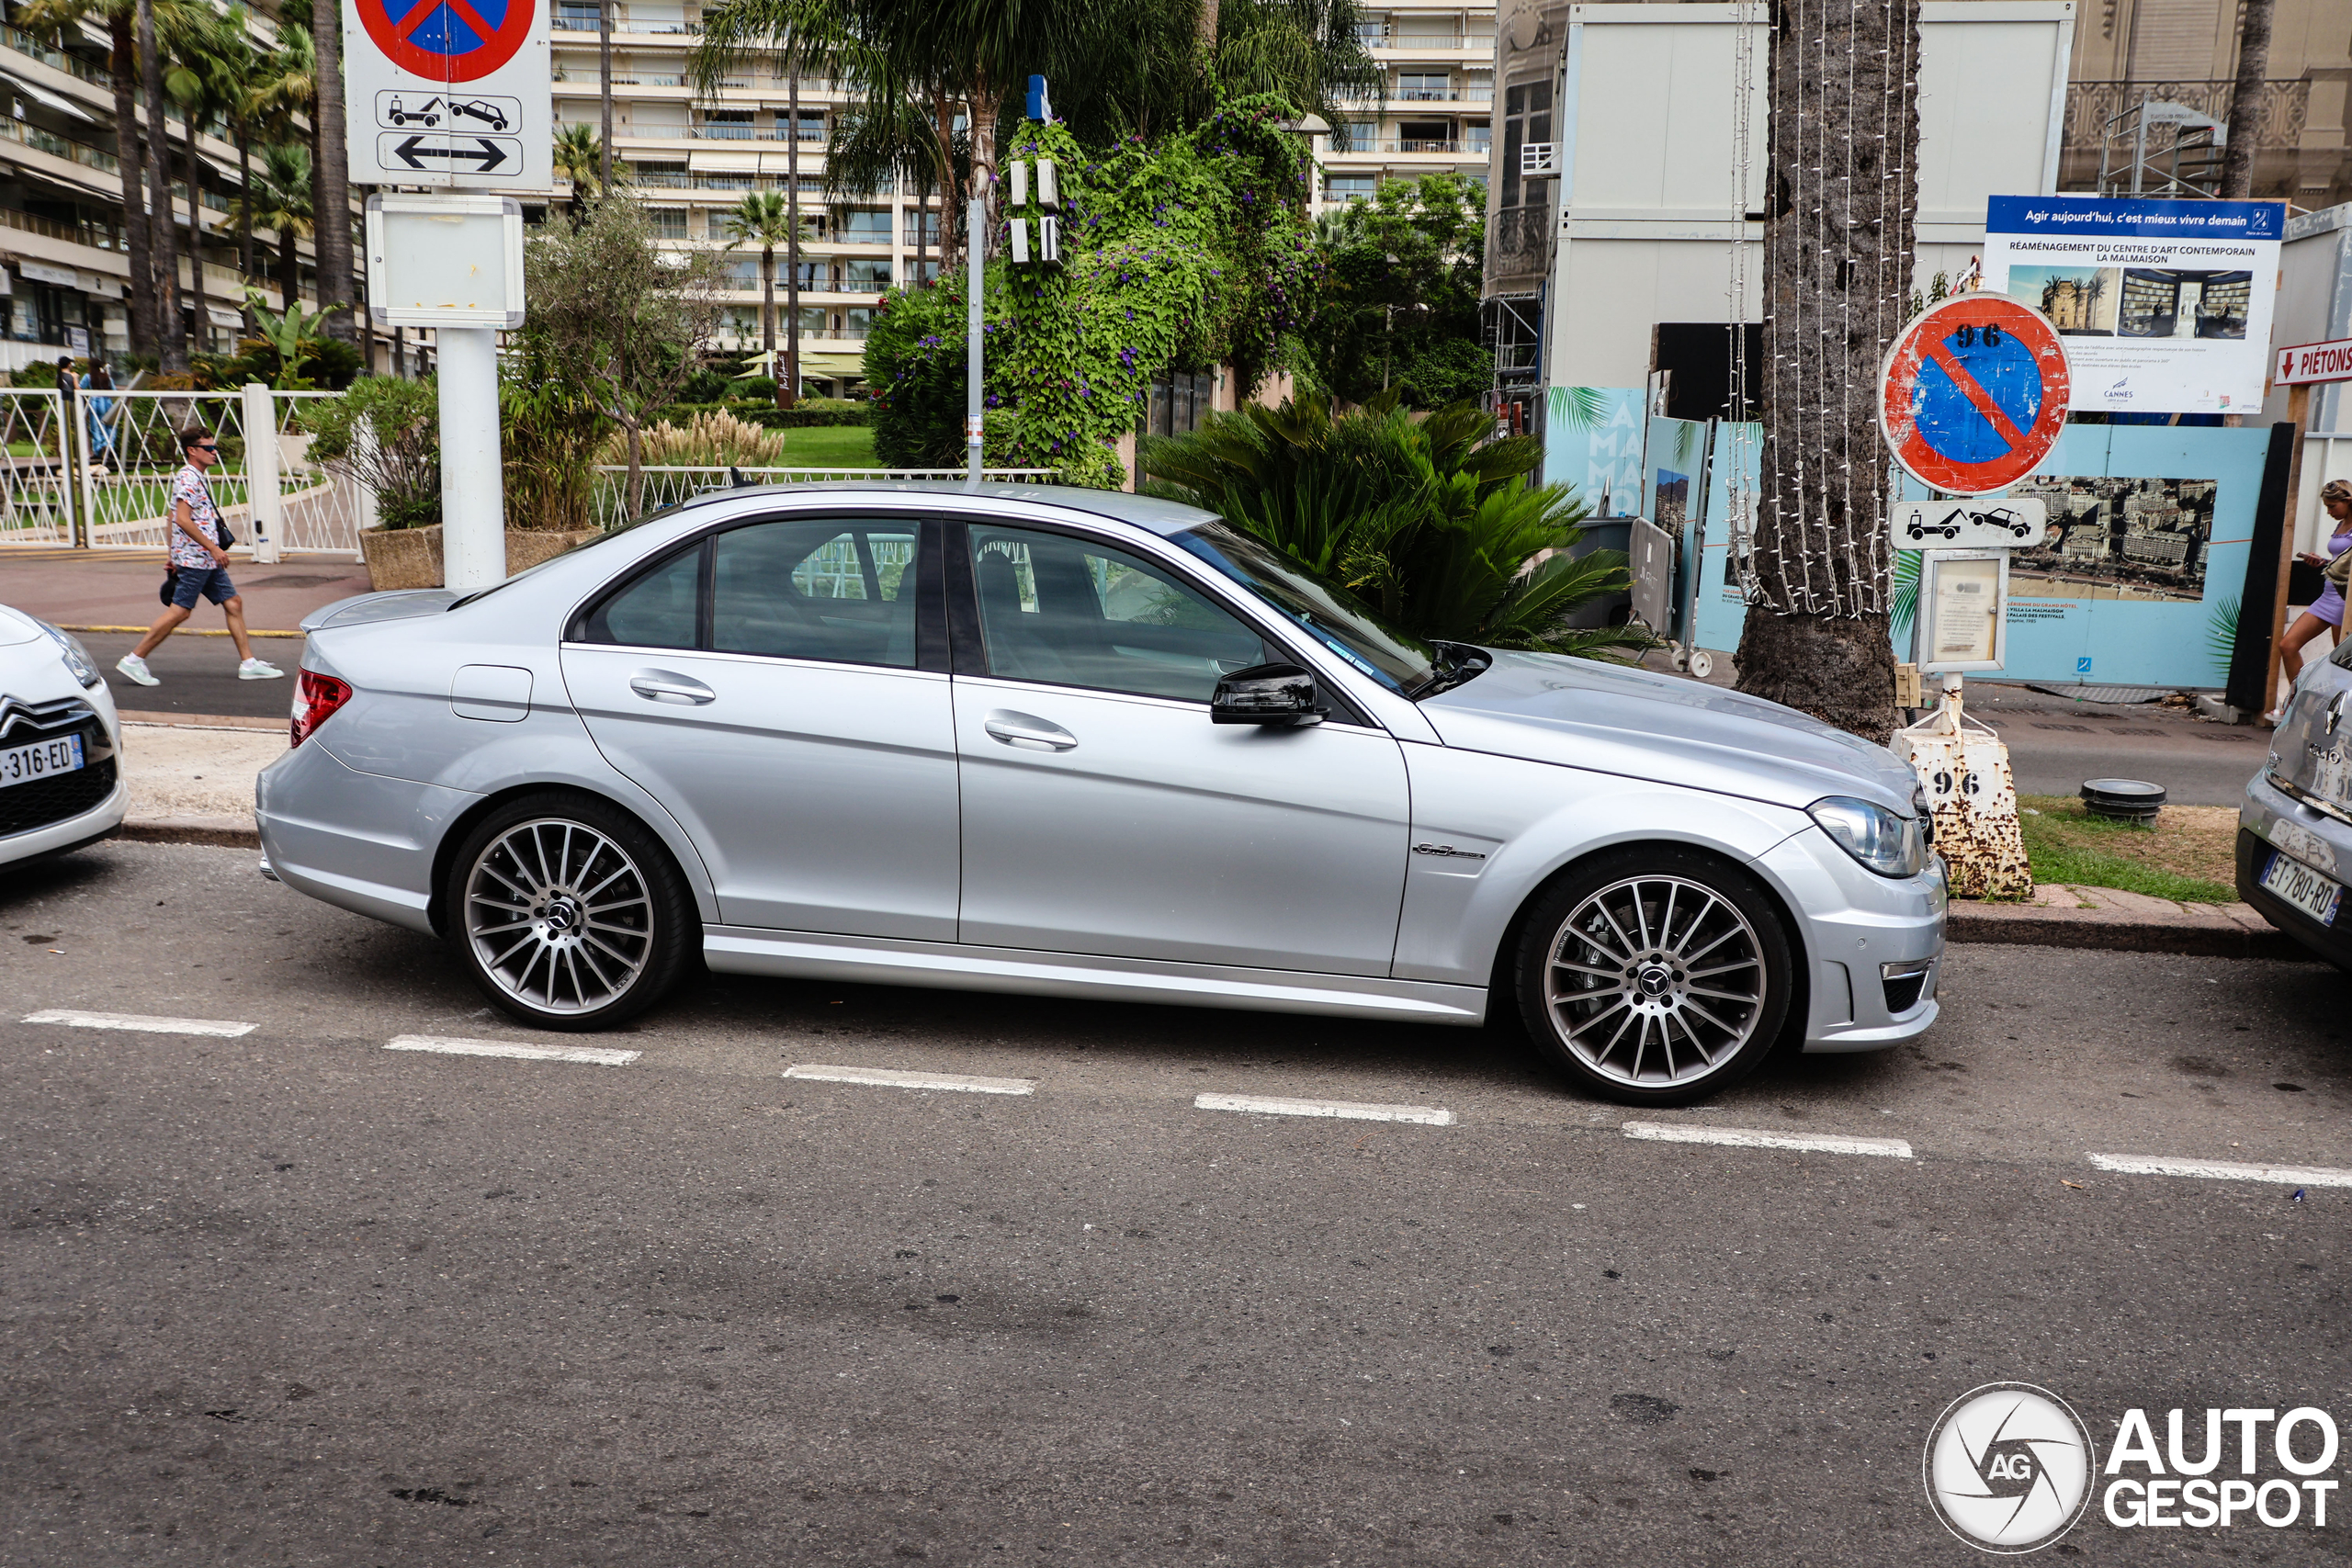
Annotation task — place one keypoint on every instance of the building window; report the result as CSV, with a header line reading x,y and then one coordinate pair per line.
x,y
1424,136
857,323
1477,136
866,226
1350,187
727,125
669,223
1180,403
862,274
1424,86
1527,117
575,15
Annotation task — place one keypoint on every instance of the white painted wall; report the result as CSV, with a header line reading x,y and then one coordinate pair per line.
x,y
1647,231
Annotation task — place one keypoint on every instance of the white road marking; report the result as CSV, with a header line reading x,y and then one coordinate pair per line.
x,y
1747,1138
1346,1110
891,1077
2226,1170
594,1056
218,1026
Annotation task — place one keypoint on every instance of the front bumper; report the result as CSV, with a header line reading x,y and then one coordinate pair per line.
x,y
2271,820
1862,937
100,821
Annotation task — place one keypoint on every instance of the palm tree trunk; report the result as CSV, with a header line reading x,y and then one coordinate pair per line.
x,y
195,237
245,213
331,221
2245,104
604,92
767,305
171,336
318,220
987,103
1842,184
139,302
787,386
289,267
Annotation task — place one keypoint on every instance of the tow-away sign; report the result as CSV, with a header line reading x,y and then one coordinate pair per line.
x,y
448,94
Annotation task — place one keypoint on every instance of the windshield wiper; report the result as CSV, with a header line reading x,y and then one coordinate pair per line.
x,y
1457,662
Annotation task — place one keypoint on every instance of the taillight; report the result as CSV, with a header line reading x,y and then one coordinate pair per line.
x,y
316,697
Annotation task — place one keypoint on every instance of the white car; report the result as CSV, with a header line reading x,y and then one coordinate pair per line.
x,y
60,744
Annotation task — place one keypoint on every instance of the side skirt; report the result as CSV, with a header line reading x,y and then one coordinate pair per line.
x,y
739,950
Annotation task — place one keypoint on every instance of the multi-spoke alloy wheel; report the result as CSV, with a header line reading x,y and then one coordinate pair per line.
x,y
567,921
1655,983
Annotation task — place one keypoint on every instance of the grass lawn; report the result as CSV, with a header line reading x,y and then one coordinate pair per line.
x,y
829,446
2189,855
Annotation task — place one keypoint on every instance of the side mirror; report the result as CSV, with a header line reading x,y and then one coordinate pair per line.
x,y
1265,693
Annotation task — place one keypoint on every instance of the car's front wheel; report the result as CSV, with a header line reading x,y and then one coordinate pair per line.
x,y
1655,977
567,912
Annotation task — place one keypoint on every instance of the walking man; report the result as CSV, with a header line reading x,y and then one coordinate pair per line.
x,y
200,556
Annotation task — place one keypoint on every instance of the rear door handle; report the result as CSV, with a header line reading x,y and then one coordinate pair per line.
x,y
1028,729
667,686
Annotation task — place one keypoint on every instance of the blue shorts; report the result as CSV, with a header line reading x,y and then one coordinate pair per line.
x,y
213,581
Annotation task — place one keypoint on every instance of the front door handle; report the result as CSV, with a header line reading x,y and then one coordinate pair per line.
x,y
1028,729
668,686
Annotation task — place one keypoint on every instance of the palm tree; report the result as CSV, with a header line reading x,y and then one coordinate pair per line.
x,y
334,199
171,338
761,219
280,198
280,100
581,157
51,18
202,82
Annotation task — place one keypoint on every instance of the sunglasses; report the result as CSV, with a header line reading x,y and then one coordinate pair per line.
x,y
204,447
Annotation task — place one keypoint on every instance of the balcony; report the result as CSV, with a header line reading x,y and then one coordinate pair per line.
x,y
96,236
56,59
2285,109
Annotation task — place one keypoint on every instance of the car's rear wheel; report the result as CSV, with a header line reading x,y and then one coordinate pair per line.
x,y
1655,976
567,912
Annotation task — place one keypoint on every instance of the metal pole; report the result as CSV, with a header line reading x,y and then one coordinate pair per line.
x,y
976,217
473,499
263,507
2140,145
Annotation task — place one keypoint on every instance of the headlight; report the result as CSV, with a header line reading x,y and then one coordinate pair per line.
x,y
77,657
1886,843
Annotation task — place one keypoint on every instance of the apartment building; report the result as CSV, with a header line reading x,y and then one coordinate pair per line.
x,y
1435,111
65,271
692,159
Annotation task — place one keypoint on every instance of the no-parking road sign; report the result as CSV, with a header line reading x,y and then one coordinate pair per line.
x,y
449,93
1974,394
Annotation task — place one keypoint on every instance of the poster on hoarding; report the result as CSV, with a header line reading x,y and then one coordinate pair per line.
x,y
2164,305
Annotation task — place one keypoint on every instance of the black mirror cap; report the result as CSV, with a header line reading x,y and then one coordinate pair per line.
x,y
1265,693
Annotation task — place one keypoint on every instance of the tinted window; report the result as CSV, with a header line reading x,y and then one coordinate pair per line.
x,y
816,590
1395,658
656,611
1074,612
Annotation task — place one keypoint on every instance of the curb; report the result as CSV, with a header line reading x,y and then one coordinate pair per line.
x,y
221,832
2195,931
182,631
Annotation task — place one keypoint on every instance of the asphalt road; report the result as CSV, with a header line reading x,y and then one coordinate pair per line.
x,y
198,674
294,1298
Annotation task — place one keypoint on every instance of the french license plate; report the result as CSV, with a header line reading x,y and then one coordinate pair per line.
x,y
23,765
2304,888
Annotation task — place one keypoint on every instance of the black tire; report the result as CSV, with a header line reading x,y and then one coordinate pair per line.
x,y
1639,999
567,913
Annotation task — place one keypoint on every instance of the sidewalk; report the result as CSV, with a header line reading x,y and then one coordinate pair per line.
x,y
117,588
192,782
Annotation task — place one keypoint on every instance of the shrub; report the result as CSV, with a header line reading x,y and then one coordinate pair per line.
x,y
704,385
761,389
403,463
713,440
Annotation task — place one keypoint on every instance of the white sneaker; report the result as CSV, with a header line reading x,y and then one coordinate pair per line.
x,y
259,670
135,667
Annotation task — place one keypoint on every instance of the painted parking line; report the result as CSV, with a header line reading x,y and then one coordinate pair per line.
x,y
1345,1110
891,1077
2226,1170
227,1028
594,1056
1749,1138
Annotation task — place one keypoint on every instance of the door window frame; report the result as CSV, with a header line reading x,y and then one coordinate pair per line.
x,y
931,641
969,642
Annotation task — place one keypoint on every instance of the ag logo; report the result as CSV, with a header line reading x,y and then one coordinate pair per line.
x,y
2008,1467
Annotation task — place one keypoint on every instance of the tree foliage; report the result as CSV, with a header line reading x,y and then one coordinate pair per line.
x,y
1399,306
1186,252
385,432
1426,520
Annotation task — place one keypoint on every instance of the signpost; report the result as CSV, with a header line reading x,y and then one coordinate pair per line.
x,y
452,97
1973,397
2298,367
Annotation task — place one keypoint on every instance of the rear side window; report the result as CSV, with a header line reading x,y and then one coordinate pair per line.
x,y
816,590
658,610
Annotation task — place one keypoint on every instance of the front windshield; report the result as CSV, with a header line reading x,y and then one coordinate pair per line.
x,y
1401,662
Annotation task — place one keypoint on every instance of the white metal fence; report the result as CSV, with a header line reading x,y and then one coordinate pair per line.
x,y
668,486
275,500
36,467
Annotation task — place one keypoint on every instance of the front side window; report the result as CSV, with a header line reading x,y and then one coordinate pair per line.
x,y
1327,612
1075,612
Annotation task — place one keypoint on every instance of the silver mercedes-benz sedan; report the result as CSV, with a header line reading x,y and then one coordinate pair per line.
x,y
1088,744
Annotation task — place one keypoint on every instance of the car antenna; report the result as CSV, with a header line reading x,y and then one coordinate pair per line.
x,y
735,477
